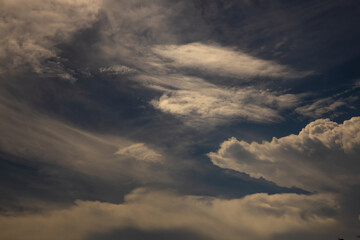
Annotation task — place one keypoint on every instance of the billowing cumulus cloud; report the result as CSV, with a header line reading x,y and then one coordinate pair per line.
x,y
323,156
258,216
30,30
224,61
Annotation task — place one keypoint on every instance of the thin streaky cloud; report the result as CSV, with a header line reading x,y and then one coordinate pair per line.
x,y
29,134
224,61
196,101
324,106
117,70
31,30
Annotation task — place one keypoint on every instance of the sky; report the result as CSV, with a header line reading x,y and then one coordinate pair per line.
x,y
136,119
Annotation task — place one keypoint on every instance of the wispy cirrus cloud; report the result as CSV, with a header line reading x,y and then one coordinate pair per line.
x,y
197,102
329,105
162,63
141,152
32,29
324,106
32,135
117,69
224,61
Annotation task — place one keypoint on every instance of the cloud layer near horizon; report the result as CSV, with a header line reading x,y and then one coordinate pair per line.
x,y
257,216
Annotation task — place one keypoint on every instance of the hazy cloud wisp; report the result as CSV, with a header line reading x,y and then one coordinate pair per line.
x,y
224,61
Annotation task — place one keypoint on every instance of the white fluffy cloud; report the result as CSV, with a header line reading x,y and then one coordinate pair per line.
x,y
323,156
31,29
257,216
224,61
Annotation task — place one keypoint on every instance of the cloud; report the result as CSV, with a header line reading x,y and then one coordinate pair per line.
x,y
68,77
132,26
140,152
323,156
32,29
196,101
356,83
257,216
117,69
34,136
224,61
148,39
323,106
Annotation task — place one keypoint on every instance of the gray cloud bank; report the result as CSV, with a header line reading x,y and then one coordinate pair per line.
x,y
257,216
